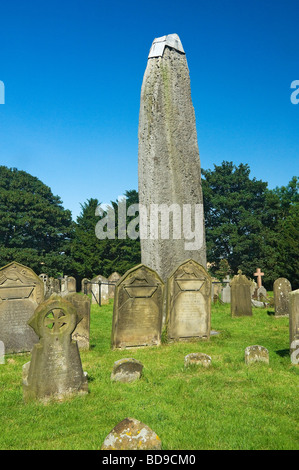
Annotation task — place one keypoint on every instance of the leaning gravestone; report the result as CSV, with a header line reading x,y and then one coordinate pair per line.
x,y
189,302
240,295
294,325
169,175
281,290
81,334
55,370
137,309
131,434
21,291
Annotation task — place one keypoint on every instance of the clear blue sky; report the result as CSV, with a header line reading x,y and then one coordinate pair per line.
x,y
73,72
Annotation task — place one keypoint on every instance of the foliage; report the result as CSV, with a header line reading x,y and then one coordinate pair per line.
x,y
35,229
250,226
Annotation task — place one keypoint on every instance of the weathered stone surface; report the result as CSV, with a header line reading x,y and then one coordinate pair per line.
x,y
126,370
294,325
82,331
100,290
138,309
169,165
21,291
198,359
256,353
226,291
113,280
189,302
240,295
281,290
131,434
86,286
55,370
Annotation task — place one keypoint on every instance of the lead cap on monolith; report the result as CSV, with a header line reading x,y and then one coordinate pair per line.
x,y
170,40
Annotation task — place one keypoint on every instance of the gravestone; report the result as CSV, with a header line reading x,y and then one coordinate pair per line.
x,y
226,291
294,325
86,286
131,434
256,353
45,279
99,290
138,309
113,280
189,302
281,290
71,284
261,294
240,295
197,359
81,333
21,291
126,370
169,173
55,370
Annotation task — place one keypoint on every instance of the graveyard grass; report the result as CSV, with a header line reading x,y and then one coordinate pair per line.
x,y
227,406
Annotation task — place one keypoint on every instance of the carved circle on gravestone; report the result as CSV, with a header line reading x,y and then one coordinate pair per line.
x,y
131,434
256,353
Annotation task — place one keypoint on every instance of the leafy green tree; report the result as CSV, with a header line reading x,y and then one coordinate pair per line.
x,y
93,256
35,229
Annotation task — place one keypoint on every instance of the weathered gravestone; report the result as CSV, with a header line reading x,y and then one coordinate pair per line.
x,y
99,290
138,309
226,291
169,175
71,284
45,279
55,370
294,325
113,280
281,290
21,291
256,353
197,359
126,370
86,286
189,302
240,295
81,333
131,434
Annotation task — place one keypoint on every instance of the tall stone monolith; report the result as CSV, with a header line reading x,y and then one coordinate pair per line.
x,y
169,178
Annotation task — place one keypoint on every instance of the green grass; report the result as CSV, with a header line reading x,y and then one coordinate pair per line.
x,y
227,406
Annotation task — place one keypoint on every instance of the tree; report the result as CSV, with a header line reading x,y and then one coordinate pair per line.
x,y
236,208
35,229
93,256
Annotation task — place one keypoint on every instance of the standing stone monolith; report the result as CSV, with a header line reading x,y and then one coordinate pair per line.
x,y
169,176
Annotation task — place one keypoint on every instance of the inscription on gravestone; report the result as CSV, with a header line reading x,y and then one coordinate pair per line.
x,y
189,302
137,312
21,291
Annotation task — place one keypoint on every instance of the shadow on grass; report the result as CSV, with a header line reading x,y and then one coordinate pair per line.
x,y
283,352
270,312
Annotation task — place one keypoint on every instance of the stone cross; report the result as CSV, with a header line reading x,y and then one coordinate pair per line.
x,y
259,275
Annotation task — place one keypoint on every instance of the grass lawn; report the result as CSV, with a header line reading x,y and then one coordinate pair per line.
x,y
227,406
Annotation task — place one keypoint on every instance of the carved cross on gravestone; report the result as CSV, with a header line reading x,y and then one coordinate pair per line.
x,y
259,275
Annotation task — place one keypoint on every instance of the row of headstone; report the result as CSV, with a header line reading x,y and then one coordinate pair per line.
x,y
139,304
62,286
100,288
